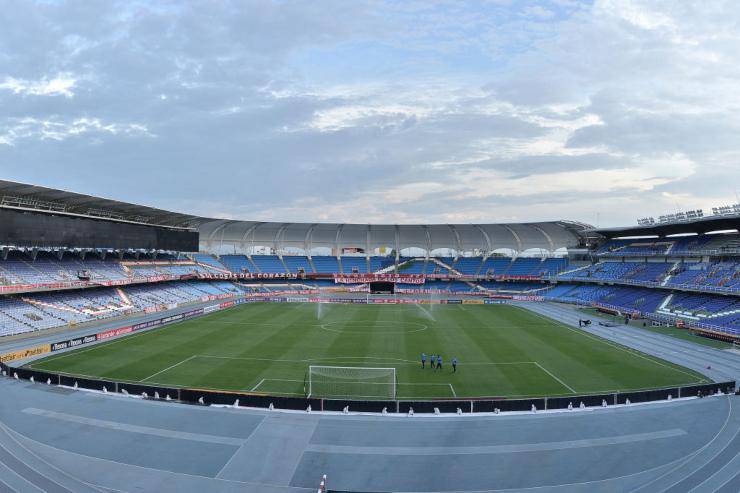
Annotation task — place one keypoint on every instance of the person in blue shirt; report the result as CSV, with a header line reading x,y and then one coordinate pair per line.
x,y
439,362
423,359
432,361
454,365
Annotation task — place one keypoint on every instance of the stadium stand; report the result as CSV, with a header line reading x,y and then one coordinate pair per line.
x,y
297,263
238,263
351,264
326,264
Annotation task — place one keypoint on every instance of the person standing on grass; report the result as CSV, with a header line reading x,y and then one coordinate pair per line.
x,y
454,365
432,361
423,360
439,361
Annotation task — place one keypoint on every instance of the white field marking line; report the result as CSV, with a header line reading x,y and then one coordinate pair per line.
x,y
169,368
343,358
453,391
358,381
257,386
633,352
556,378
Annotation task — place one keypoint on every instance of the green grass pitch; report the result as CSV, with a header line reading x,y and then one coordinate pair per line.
x,y
503,351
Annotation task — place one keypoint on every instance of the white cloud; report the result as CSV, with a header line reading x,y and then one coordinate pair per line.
x,y
61,85
60,130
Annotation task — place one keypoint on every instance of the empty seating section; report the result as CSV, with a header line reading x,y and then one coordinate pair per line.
x,y
653,272
510,285
206,259
297,263
268,263
423,266
325,264
379,263
468,265
237,263
625,297
723,276
709,276
495,266
354,265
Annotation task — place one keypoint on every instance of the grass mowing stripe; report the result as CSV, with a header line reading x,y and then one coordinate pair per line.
x,y
502,351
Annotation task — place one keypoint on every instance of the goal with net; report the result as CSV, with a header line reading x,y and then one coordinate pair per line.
x,y
351,382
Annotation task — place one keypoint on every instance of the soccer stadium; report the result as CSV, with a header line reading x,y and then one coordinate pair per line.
x,y
225,352
369,246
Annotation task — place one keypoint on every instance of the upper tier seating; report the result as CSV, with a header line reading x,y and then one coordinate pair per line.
x,y
468,265
269,264
238,263
298,263
326,264
352,264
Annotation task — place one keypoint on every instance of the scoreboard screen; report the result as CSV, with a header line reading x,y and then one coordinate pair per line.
x,y
41,229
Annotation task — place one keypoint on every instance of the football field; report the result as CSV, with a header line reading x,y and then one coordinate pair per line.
x,y
503,351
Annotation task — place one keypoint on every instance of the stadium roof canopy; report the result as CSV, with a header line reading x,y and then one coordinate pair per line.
x,y
34,197
221,235
226,234
697,226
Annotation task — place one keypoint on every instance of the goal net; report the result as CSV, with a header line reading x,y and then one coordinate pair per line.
x,y
351,382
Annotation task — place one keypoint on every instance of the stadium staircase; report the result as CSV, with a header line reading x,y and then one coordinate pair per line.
x,y
124,297
392,268
280,257
214,264
310,262
669,275
442,264
455,272
577,269
256,267
339,263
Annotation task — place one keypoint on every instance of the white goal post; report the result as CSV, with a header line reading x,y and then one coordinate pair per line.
x,y
350,382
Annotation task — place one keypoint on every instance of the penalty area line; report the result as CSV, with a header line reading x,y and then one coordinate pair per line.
x,y
453,391
556,378
168,368
257,386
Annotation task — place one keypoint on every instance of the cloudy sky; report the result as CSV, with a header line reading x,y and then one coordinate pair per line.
x,y
377,111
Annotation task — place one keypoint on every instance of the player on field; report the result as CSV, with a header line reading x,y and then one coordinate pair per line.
x,y
432,361
423,359
439,362
454,365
